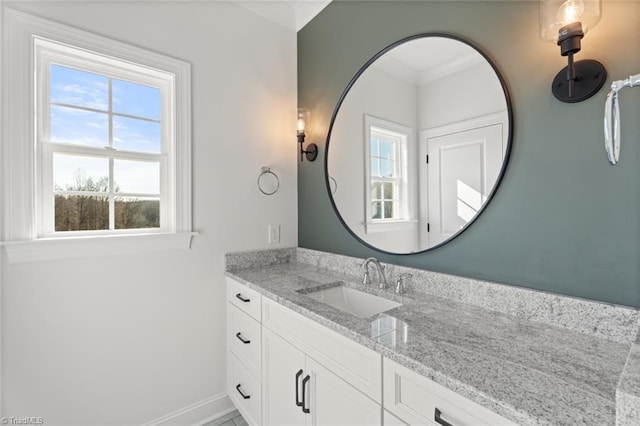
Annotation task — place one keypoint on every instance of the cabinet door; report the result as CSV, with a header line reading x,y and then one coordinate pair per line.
x,y
281,363
334,402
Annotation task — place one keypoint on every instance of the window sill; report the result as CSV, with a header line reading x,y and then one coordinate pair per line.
x,y
389,226
50,249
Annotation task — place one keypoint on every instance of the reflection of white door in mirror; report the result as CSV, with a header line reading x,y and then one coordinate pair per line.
x,y
464,161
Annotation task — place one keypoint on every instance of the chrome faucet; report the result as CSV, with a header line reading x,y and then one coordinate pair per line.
x,y
366,279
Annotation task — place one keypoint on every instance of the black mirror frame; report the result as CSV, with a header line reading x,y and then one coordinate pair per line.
x,y
507,155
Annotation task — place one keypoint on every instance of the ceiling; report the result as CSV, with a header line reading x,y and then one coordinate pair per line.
x,y
426,59
293,14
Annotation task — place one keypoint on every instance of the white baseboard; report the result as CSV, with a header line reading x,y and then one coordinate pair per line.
x,y
197,414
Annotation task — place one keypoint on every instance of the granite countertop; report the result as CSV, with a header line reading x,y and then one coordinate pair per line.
x,y
528,372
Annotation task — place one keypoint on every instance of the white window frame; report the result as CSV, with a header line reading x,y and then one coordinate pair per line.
x,y
49,53
24,235
405,135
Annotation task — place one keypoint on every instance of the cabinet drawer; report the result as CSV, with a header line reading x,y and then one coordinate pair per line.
x,y
244,338
243,297
415,399
244,390
359,366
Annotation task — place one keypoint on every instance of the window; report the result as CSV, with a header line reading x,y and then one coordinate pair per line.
x,y
105,135
386,174
103,143
386,147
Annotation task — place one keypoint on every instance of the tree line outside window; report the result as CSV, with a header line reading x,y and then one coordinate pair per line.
x,y
85,212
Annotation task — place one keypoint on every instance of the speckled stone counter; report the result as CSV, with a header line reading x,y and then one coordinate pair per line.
x,y
532,372
628,392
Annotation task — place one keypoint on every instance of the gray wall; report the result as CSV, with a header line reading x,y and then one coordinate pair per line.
x,y
563,220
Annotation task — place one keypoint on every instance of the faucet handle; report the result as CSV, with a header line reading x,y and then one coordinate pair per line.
x,y
400,283
382,277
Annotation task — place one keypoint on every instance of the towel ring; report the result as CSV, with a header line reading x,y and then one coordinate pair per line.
x,y
275,181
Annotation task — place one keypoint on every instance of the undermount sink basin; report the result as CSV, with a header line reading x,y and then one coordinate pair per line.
x,y
354,302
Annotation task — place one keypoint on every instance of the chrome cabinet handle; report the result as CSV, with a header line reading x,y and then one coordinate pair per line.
x,y
298,374
239,296
242,393
246,342
305,409
438,418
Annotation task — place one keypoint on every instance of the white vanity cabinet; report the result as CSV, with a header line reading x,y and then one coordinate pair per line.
x,y
244,350
286,369
315,376
413,399
299,391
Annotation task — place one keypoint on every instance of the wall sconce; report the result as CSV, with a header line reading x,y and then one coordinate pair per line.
x,y
303,123
565,22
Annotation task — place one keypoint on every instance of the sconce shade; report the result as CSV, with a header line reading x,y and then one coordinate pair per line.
x,y
302,125
303,121
556,14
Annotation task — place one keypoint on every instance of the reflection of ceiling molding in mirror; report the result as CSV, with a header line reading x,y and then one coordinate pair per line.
x,y
419,142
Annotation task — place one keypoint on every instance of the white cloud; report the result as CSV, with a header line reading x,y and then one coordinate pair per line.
x,y
93,96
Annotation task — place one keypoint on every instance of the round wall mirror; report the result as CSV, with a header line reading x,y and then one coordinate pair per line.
x,y
418,143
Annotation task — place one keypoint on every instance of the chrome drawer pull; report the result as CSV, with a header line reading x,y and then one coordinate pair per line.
x,y
437,417
242,393
246,342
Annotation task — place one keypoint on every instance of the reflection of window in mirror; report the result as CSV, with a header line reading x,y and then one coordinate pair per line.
x,y
386,146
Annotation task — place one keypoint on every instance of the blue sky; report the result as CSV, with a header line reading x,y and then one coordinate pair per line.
x,y
381,157
91,128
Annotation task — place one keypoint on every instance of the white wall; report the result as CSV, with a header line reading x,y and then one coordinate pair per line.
x,y
128,339
469,93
